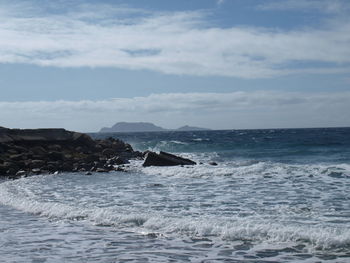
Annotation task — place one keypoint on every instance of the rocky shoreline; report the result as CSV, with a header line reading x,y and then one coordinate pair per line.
x,y
25,152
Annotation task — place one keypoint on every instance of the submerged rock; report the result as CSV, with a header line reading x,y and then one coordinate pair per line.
x,y
165,159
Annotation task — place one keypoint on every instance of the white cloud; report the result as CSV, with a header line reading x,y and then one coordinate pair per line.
x,y
213,110
172,43
327,6
220,2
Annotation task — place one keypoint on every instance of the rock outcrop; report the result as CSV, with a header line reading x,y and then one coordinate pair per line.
x,y
165,159
39,151
34,151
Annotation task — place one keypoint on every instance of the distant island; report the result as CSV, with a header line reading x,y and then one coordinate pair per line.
x,y
144,127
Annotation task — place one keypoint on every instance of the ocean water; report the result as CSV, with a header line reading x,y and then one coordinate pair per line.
x,y
275,196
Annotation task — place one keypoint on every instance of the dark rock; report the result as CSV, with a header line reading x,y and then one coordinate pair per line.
x,y
108,152
20,149
165,159
55,156
79,149
145,153
18,157
20,164
213,163
31,136
155,185
88,173
98,147
12,151
91,158
138,154
12,171
49,150
55,147
117,161
66,167
67,156
38,157
37,163
102,170
120,169
128,148
109,167
3,169
102,159
2,148
10,165
38,150
51,168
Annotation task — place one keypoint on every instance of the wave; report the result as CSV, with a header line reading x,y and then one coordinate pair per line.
x,y
249,168
249,228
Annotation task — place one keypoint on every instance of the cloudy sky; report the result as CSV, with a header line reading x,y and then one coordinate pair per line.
x,y
220,64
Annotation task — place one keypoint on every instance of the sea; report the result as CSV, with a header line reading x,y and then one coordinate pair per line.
x,y
275,195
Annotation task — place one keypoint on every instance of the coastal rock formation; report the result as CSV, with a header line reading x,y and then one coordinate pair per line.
x,y
34,151
39,151
165,159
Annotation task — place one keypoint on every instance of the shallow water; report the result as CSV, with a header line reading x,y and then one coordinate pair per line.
x,y
278,207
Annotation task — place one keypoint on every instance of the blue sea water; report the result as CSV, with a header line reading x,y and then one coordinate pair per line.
x,y
279,195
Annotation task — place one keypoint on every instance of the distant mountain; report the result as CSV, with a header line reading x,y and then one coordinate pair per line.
x,y
133,127
144,127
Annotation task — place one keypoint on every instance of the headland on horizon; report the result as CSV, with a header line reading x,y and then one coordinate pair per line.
x,y
144,127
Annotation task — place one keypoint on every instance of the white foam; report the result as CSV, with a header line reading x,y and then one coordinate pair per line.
x,y
23,194
233,228
179,142
245,168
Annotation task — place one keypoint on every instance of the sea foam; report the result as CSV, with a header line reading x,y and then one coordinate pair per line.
x,y
19,194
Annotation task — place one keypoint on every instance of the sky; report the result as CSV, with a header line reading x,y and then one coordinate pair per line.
x,y
219,64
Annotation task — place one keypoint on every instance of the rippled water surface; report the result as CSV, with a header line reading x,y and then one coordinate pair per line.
x,y
269,200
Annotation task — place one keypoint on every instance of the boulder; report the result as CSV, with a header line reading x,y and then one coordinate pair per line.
x,y
165,159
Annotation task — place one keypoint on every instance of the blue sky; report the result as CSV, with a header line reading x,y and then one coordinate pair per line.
x,y
225,64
